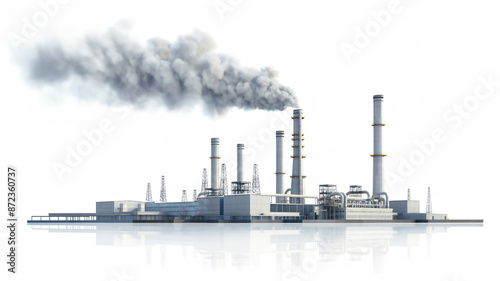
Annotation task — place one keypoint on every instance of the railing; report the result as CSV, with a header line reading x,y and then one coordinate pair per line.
x,y
64,218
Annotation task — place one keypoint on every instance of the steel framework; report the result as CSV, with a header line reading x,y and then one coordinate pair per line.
x,y
255,180
324,191
163,192
223,179
149,195
184,196
204,181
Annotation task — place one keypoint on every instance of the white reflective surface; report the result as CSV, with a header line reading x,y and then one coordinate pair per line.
x,y
255,251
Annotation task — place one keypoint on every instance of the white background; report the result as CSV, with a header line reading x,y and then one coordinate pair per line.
x,y
427,61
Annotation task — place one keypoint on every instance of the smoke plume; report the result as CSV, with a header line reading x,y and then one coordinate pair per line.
x,y
182,73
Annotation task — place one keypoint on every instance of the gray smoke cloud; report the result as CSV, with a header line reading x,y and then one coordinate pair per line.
x,y
182,73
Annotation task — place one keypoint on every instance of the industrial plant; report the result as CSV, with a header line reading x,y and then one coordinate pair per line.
x,y
242,200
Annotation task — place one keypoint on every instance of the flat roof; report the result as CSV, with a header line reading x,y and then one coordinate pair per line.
x,y
289,195
71,214
122,201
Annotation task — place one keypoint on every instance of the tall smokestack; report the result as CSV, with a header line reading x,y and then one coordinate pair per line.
x,y
298,168
214,178
279,164
378,155
239,158
240,186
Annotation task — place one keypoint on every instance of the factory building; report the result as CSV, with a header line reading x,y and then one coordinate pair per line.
x,y
410,210
214,204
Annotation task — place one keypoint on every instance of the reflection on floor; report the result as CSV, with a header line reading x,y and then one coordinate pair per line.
x,y
296,246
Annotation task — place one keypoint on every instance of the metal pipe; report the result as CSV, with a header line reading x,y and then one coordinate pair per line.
x,y
239,161
386,199
358,192
378,155
214,159
381,199
342,196
287,199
